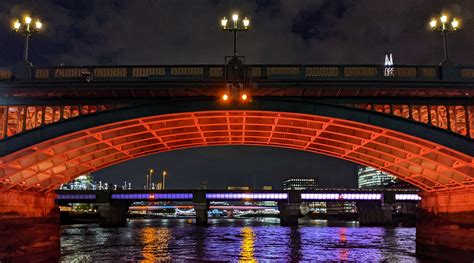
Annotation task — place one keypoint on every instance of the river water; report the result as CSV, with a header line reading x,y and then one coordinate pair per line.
x,y
263,240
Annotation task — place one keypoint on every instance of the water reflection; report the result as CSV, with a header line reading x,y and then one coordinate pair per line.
x,y
155,244
343,252
247,249
295,243
238,240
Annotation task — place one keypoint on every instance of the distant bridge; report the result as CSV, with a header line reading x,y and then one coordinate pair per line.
x,y
357,194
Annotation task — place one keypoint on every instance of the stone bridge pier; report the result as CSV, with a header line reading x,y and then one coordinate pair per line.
x,y
29,227
374,213
201,206
290,209
445,222
113,214
377,213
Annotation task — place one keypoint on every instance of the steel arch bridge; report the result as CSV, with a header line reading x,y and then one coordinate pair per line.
x,y
417,123
429,158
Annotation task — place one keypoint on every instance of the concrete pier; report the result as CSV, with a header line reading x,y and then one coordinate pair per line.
x,y
289,213
201,206
290,209
29,227
201,213
374,213
113,214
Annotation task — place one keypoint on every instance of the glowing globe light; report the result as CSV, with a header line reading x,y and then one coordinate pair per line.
x,y
235,17
225,97
224,22
444,18
246,22
455,23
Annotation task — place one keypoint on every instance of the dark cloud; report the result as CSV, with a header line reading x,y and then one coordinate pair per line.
x,y
318,22
178,32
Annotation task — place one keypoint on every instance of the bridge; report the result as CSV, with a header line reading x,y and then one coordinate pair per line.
x,y
415,122
113,205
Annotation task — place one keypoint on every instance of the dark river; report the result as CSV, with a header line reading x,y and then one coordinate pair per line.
x,y
245,240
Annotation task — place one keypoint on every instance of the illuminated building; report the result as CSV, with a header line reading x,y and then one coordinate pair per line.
x,y
86,182
369,177
334,208
82,182
309,183
238,188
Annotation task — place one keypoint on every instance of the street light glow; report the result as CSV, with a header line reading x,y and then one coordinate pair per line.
x,y
444,27
235,17
244,97
225,97
455,23
25,29
444,18
236,27
17,25
224,22
246,22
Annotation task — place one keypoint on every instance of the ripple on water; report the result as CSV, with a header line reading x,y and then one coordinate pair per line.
x,y
246,240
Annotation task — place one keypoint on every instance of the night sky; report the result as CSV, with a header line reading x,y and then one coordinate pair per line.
x,y
103,32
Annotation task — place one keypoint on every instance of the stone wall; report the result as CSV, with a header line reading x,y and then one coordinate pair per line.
x,y
446,221
29,227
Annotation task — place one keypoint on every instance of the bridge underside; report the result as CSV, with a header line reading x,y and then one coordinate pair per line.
x,y
16,119
44,166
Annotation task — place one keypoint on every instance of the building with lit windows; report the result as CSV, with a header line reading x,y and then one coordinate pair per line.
x,y
369,177
87,182
308,183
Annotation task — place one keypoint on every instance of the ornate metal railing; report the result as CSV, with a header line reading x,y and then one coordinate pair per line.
x,y
257,72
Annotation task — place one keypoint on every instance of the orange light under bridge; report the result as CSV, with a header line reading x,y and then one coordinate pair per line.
x,y
46,165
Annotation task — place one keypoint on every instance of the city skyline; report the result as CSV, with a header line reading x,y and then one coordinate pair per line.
x,y
256,161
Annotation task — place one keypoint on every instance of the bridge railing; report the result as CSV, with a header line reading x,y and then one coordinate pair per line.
x,y
257,72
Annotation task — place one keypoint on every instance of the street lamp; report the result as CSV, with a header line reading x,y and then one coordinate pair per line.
x,y
150,178
27,28
444,27
236,27
164,175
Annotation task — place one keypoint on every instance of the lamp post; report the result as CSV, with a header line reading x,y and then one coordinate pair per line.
x,y
444,27
164,175
150,178
27,29
235,27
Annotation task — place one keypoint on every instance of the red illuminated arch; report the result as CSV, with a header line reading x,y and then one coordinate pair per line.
x,y
45,165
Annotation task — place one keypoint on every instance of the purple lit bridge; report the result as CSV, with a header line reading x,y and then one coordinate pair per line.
x,y
374,205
